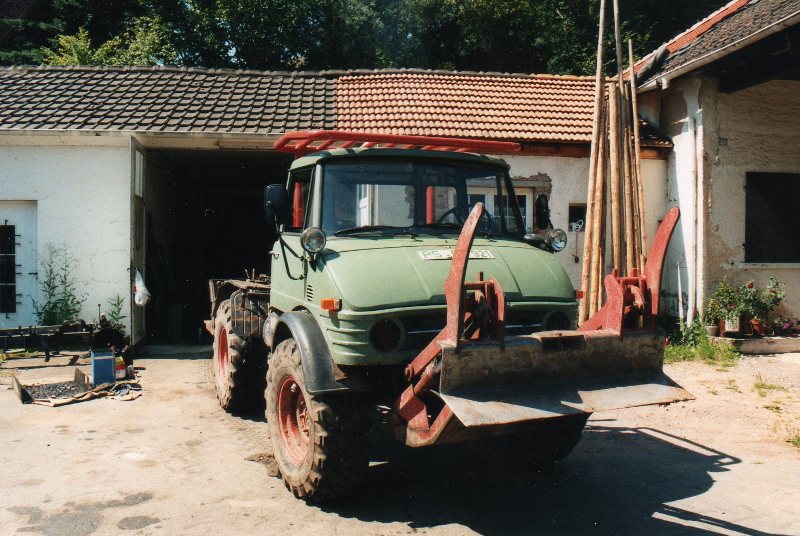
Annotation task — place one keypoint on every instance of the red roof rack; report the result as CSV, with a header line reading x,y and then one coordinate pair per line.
x,y
305,142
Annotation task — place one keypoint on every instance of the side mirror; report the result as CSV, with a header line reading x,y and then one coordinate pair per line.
x,y
542,212
276,204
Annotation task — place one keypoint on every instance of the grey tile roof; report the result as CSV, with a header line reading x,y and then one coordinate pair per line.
x,y
164,99
735,21
534,108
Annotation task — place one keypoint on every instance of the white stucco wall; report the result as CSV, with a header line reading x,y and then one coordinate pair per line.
x,y
82,194
761,126
569,178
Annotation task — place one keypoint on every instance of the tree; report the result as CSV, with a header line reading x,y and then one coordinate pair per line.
x,y
144,42
29,26
556,36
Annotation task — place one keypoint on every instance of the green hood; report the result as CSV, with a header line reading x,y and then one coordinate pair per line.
x,y
374,273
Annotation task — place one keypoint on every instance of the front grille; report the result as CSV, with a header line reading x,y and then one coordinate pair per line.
x,y
420,330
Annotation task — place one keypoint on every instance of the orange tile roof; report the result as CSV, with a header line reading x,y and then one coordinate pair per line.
x,y
544,108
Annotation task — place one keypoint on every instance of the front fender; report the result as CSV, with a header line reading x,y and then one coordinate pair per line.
x,y
318,366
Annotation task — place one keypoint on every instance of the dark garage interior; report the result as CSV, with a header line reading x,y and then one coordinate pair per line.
x,y
204,220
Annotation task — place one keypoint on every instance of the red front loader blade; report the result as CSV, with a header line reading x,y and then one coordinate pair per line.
x,y
472,381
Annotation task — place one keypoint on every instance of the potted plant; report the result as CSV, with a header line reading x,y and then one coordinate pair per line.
x,y
783,326
745,309
763,303
712,315
727,308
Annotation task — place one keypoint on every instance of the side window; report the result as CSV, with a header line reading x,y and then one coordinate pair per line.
x,y
772,218
300,199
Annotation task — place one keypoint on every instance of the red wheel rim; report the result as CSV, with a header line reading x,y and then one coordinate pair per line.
x,y
293,419
222,354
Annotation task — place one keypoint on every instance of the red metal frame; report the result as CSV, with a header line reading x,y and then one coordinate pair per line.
x,y
310,141
629,299
467,304
632,302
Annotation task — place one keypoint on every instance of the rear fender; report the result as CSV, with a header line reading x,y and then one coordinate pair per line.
x,y
320,371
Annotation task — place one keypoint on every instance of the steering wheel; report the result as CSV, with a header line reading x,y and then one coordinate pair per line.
x,y
454,212
484,226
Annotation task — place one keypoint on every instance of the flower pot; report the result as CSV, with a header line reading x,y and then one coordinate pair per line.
x,y
745,327
732,326
759,328
712,330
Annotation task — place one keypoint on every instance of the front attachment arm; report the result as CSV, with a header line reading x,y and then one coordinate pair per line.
x,y
475,309
633,301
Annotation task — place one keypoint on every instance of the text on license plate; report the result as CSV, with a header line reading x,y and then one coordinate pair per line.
x,y
446,254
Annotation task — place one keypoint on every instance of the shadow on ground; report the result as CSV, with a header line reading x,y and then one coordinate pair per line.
x,y
174,351
617,481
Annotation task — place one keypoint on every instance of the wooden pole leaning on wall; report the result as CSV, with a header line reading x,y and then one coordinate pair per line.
x,y
598,219
627,191
638,157
613,178
587,238
628,130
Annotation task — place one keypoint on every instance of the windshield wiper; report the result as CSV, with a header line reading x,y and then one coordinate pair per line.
x,y
374,228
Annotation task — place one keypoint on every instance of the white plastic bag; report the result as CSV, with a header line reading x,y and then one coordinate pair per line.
x,y
140,294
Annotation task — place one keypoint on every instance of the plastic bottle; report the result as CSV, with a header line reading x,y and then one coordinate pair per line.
x,y
120,371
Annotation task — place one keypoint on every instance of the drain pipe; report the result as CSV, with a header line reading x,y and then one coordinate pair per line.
x,y
691,262
680,295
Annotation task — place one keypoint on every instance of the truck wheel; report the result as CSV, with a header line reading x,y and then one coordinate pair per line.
x,y
238,367
320,442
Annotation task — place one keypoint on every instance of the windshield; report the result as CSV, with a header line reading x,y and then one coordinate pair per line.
x,y
414,196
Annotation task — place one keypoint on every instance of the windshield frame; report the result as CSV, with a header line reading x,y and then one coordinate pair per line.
x,y
503,186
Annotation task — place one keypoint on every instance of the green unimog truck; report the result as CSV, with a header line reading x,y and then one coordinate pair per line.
x,y
392,285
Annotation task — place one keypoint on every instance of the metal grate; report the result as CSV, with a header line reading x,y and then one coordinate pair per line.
x,y
309,293
8,269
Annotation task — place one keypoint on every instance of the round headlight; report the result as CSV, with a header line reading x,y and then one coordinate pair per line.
x,y
313,240
557,239
385,335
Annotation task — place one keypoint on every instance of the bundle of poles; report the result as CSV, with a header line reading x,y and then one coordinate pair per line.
x,y
615,212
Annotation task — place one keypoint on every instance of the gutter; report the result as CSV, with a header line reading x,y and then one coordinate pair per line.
x,y
664,80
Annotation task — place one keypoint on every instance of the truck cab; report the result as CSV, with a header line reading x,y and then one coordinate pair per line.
x,y
366,246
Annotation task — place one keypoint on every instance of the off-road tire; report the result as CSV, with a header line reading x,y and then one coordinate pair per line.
x,y
335,454
239,366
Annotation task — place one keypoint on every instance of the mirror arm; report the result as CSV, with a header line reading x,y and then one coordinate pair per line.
x,y
284,247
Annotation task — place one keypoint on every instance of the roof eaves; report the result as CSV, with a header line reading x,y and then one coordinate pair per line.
x,y
662,79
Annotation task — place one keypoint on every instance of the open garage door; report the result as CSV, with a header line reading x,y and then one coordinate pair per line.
x,y
204,219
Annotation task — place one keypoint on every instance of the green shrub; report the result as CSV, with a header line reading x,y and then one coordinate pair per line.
x,y
61,301
114,313
692,343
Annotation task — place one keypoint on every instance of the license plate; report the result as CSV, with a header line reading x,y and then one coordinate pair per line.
x,y
447,254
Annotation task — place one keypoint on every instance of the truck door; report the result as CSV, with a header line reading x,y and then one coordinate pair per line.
x,y
289,283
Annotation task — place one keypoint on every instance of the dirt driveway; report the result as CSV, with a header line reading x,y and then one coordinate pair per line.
x,y
172,462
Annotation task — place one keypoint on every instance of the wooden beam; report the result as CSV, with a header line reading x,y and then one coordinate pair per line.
x,y
598,100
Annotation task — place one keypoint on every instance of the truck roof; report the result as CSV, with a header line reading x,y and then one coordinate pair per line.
x,y
378,152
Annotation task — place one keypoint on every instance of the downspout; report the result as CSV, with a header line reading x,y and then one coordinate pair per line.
x,y
699,216
691,262
664,80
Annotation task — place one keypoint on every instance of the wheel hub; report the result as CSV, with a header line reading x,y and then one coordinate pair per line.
x,y
223,357
293,419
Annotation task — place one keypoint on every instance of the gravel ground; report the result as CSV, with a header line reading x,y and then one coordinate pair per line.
x,y
56,390
171,462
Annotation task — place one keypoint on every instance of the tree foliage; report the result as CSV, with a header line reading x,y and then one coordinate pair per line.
x,y
557,36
